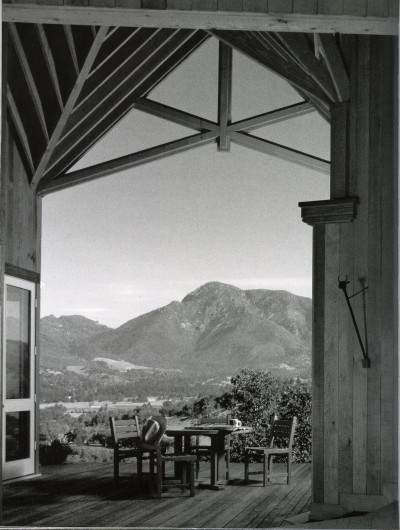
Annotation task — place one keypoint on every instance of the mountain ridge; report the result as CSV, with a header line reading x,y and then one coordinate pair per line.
x,y
215,328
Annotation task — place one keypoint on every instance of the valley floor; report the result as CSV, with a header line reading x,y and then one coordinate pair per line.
x,y
83,495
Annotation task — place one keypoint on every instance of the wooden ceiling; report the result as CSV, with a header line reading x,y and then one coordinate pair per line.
x,y
67,85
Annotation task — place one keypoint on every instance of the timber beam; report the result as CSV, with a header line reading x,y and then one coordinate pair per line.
x,y
281,151
175,115
45,12
274,116
209,132
127,162
224,95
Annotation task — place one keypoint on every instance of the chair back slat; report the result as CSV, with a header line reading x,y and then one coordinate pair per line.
x,y
283,430
130,434
125,423
123,429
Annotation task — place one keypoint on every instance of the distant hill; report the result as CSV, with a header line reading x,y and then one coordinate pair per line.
x,y
216,328
61,338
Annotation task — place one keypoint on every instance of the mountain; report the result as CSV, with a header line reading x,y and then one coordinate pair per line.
x,y
61,338
217,328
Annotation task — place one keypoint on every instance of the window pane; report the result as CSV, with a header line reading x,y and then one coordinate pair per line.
x,y
17,343
17,435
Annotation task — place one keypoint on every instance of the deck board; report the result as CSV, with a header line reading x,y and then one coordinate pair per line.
x,y
83,495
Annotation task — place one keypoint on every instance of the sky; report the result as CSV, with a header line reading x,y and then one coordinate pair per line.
x,y
126,244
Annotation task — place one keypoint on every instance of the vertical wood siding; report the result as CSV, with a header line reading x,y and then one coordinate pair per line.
x,y
305,6
318,392
388,292
346,346
358,186
331,382
359,437
355,8
22,216
378,8
374,234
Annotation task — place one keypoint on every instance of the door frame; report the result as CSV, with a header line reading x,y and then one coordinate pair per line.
x,y
23,467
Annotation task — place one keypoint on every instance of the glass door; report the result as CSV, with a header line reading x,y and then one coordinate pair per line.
x,y
19,379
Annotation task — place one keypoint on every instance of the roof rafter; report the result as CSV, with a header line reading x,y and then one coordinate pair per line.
x,y
275,43
107,121
29,79
69,106
270,41
125,78
49,59
334,62
128,161
16,119
112,73
321,107
289,71
299,46
110,48
84,119
71,46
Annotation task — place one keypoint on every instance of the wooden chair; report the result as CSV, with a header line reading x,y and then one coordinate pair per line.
x,y
150,440
283,430
125,436
204,450
186,472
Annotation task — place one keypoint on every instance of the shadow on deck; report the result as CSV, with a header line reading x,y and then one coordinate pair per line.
x,y
83,495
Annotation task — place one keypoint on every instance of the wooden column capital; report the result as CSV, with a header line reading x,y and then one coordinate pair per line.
x,y
329,211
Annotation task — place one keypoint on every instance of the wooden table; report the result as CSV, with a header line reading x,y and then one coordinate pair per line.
x,y
217,435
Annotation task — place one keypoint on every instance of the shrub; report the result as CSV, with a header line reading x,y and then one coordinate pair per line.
x,y
254,399
90,454
54,452
296,401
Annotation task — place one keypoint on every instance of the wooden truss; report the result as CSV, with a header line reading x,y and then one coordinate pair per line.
x,y
67,86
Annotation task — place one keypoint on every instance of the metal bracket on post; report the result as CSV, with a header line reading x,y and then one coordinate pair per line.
x,y
366,362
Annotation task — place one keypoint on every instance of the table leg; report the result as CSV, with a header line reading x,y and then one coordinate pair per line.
x,y
219,448
178,449
217,463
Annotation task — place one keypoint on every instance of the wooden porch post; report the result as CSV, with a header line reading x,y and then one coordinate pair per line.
x,y
355,236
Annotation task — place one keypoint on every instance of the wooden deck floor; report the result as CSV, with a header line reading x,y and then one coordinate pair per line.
x,y
83,495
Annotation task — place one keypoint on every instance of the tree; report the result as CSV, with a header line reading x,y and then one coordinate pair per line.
x,y
296,401
255,396
55,423
253,400
202,406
